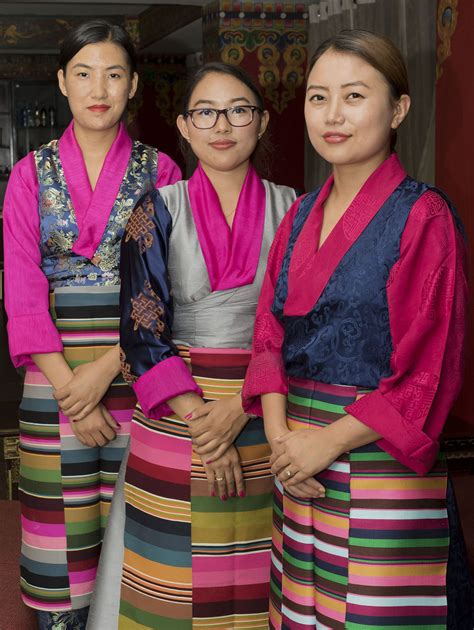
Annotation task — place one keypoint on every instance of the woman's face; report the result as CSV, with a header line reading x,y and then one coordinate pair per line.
x,y
97,84
223,147
349,110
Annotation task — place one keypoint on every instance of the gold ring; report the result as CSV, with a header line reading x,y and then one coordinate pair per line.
x,y
288,472
219,478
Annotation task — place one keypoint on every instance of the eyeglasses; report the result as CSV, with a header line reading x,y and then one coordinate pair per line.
x,y
238,116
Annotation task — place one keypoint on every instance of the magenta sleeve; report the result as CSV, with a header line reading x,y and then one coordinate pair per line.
x,y
266,371
427,297
30,326
165,380
168,171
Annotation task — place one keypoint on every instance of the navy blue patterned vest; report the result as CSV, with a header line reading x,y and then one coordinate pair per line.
x,y
58,225
345,339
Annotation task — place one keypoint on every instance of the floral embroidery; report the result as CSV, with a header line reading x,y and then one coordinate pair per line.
x,y
140,225
58,224
147,311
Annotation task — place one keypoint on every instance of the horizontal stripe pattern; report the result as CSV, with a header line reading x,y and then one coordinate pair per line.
x,y
191,560
65,487
372,554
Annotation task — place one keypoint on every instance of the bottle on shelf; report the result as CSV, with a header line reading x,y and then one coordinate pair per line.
x,y
52,116
43,116
30,121
37,115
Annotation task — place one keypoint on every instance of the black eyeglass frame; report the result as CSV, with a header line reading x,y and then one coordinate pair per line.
x,y
253,109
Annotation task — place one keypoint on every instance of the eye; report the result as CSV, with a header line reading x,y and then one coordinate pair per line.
x,y
115,75
354,95
205,113
239,109
316,98
82,74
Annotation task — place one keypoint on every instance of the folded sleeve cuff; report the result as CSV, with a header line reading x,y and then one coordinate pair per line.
x,y
400,438
32,334
265,375
167,379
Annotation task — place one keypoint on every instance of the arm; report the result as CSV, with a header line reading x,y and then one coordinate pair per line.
x,y
30,326
150,360
266,372
427,295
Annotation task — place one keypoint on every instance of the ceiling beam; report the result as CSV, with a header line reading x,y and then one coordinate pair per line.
x,y
161,20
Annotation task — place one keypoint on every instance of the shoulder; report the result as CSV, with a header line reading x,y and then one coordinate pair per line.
x,y
433,210
24,172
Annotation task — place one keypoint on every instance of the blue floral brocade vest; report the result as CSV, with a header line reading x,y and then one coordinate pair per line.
x,y
345,339
58,224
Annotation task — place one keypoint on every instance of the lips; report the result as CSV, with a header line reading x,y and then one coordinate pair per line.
x,y
99,108
335,138
222,145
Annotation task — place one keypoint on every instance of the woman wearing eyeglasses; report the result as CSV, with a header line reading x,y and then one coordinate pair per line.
x,y
198,484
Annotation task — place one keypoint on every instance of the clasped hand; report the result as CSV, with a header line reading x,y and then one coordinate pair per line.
x,y
84,391
299,455
215,426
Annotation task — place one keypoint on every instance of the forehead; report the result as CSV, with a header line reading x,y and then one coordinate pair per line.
x,y
101,53
338,68
220,88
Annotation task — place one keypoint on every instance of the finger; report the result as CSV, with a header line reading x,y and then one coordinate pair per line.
x,y
239,481
111,421
200,412
315,485
108,432
71,408
230,482
99,438
86,439
221,483
295,491
62,392
308,490
220,450
202,439
295,478
210,481
210,447
82,414
280,463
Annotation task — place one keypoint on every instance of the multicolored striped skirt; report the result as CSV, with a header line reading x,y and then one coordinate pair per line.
x,y
66,487
372,554
191,560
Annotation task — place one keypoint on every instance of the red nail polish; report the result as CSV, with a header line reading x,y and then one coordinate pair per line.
x,y
224,497
213,493
188,416
241,494
232,494
209,461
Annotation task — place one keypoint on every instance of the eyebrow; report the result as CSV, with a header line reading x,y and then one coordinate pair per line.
x,y
232,100
344,85
84,65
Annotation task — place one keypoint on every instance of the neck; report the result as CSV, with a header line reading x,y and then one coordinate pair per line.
x,y
349,178
227,182
95,143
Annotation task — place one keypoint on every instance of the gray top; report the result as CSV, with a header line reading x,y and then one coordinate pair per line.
x,y
219,319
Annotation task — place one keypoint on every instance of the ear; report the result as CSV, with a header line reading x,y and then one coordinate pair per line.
x,y
264,120
62,82
133,85
402,108
182,125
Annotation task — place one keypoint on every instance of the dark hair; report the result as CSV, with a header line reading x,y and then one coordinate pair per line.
x,y
262,154
95,32
378,51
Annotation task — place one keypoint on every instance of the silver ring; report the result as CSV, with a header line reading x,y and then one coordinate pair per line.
x,y
288,473
219,478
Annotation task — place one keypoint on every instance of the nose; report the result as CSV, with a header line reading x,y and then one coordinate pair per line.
x,y
222,124
99,87
334,115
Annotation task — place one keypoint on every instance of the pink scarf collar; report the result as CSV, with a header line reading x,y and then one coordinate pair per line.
x,y
92,207
231,256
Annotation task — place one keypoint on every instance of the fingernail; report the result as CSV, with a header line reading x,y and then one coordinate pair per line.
x,y
209,461
213,493
224,497
241,494
188,416
119,426
232,494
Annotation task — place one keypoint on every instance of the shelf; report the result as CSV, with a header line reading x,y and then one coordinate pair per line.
x,y
21,128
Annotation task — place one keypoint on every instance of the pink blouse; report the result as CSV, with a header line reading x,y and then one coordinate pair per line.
x,y
427,298
30,327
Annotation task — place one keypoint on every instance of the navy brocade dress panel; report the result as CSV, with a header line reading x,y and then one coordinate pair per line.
x,y
146,300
